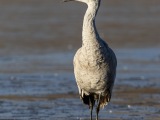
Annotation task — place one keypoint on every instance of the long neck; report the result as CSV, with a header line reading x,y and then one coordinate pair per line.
x,y
89,33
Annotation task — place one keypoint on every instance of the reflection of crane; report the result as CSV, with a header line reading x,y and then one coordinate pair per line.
x,y
94,63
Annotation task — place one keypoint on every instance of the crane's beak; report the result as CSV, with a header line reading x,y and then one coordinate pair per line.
x,y
67,0
75,0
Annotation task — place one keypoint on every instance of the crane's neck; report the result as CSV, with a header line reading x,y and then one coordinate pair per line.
x,y
89,32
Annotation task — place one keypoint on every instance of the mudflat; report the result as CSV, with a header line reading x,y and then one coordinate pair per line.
x,y
43,25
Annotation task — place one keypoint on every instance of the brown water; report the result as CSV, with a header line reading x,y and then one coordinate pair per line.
x,y
38,40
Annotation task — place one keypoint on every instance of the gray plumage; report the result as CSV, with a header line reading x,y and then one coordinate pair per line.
x,y
94,63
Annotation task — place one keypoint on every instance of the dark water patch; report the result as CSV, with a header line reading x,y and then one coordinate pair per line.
x,y
37,84
141,63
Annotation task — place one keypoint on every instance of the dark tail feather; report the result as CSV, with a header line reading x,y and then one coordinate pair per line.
x,y
87,99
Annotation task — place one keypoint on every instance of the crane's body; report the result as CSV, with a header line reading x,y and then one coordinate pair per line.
x,y
94,63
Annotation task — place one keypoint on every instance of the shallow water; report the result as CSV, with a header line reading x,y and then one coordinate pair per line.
x,y
48,89
36,71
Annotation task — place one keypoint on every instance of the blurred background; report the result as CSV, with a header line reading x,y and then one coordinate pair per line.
x,y
38,39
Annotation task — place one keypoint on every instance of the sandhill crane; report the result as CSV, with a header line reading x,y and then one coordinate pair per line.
x,y
94,63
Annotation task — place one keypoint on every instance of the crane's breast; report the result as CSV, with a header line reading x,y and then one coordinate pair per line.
x,y
91,74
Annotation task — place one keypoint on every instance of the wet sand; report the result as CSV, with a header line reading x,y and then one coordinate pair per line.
x,y
38,40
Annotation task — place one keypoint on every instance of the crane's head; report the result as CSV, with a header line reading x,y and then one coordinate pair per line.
x,y
84,1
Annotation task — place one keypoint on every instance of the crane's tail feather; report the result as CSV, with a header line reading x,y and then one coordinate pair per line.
x,y
105,100
91,98
88,99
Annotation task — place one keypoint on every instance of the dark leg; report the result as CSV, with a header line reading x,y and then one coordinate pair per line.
x,y
91,114
90,107
98,106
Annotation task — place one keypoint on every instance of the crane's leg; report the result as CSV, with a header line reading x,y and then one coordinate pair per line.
x,y
90,107
98,106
